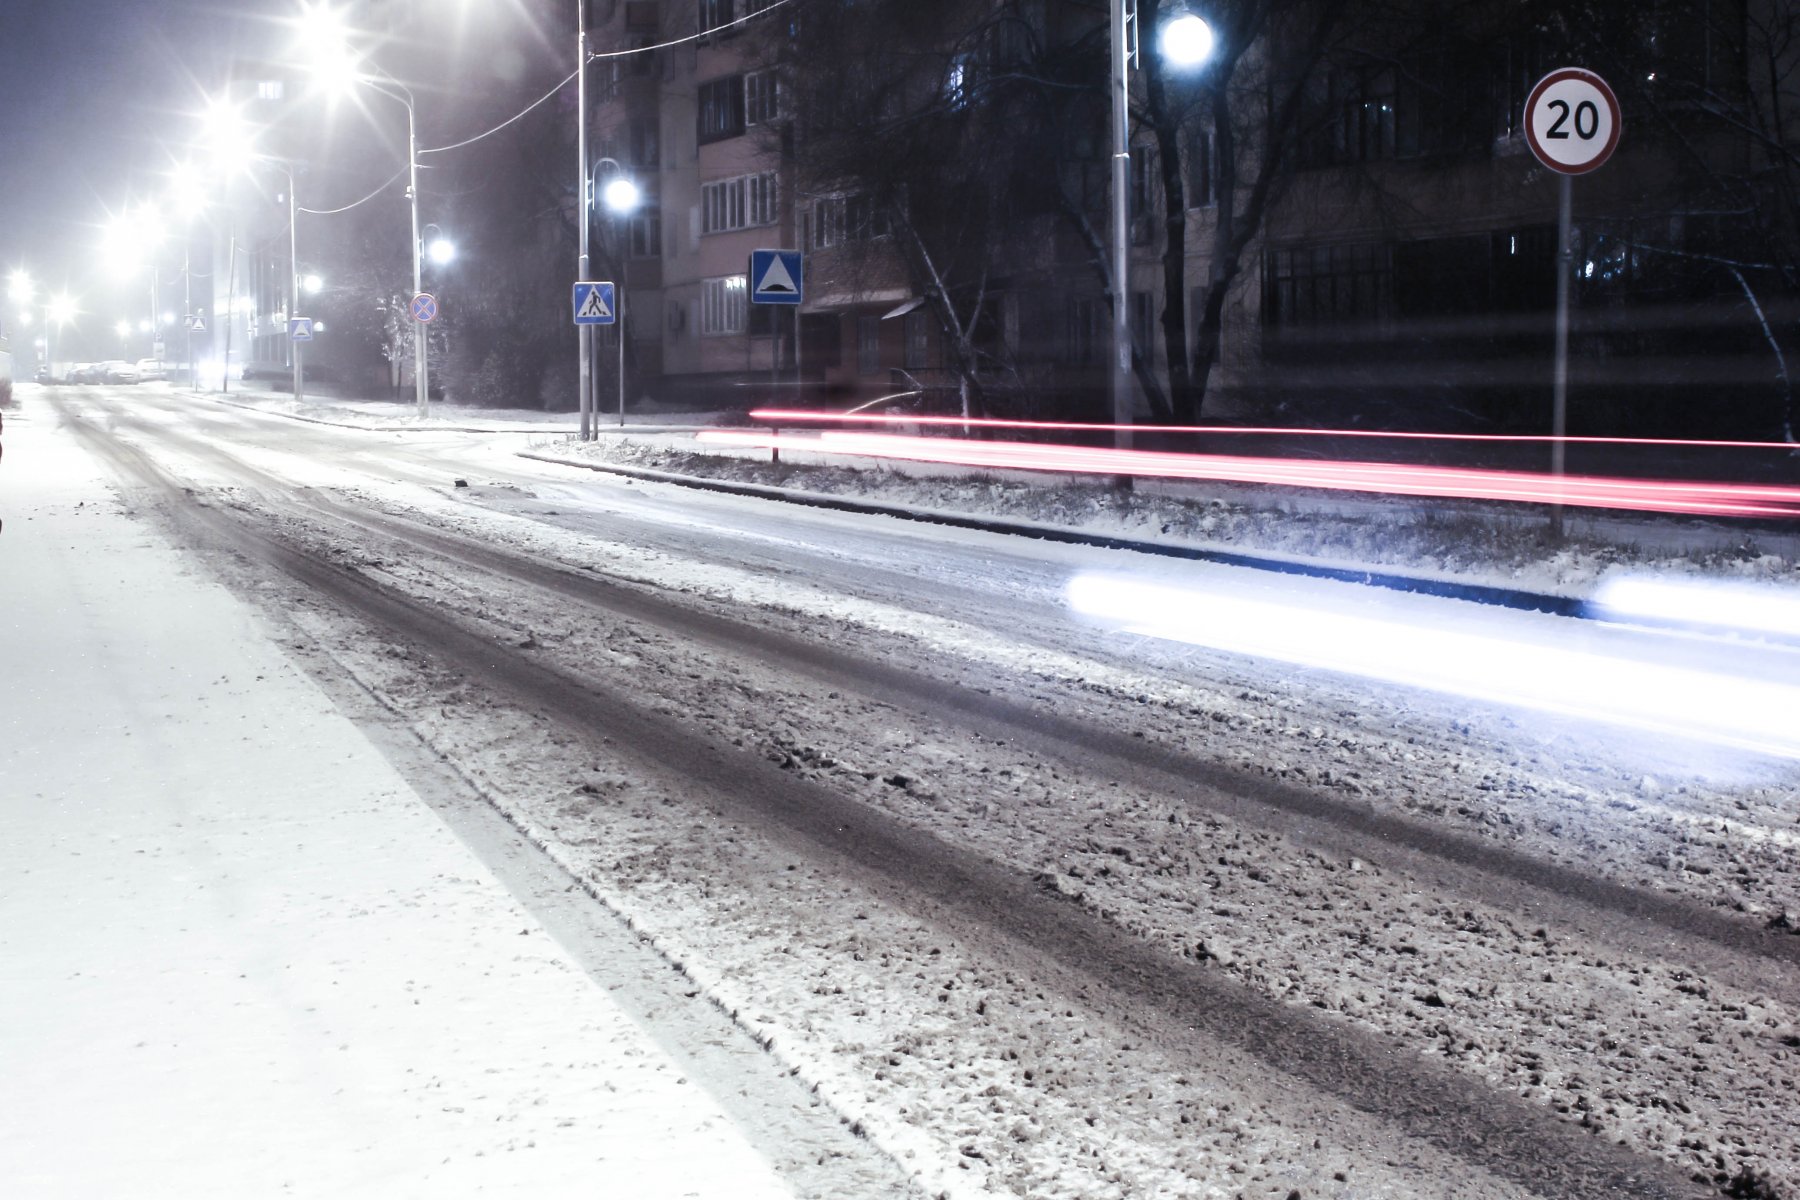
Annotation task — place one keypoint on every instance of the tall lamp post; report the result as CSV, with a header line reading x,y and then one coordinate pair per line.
x,y
293,288
58,311
1186,41
421,384
327,44
584,338
621,197
19,291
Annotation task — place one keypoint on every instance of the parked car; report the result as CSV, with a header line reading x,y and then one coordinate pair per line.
x,y
151,368
118,371
278,373
44,375
87,373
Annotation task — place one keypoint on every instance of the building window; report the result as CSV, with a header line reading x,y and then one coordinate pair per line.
x,y
1145,181
959,80
738,203
1081,341
646,143
1143,320
840,219
918,339
724,304
868,345
1202,169
721,108
762,198
762,97
645,232
722,206
1319,285
714,13
644,61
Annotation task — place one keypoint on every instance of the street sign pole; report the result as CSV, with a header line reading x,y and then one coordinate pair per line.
x,y
584,335
1559,418
1572,124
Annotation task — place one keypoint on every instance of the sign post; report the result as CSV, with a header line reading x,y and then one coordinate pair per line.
x,y
1572,123
300,332
779,277
597,303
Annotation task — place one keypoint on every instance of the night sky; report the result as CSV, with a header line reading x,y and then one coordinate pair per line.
x,y
98,101
96,97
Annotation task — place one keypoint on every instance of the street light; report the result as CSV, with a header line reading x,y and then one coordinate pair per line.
x,y
621,196
59,310
441,251
1187,41
325,41
188,196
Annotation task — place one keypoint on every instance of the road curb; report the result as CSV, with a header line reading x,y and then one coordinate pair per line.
x,y
1515,598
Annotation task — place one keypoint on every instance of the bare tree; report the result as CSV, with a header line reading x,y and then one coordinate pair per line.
x,y
919,137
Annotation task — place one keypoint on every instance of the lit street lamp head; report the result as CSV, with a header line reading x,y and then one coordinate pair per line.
x,y
621,195
1186,40
441,251
324,38
227,138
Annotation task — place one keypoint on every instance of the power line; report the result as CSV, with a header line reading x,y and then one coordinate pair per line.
x,y
326,212
569,78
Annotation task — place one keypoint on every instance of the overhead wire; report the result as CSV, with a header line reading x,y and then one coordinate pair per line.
x,y
326,212
595,57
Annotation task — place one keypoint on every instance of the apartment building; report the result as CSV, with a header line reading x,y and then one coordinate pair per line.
x,y
1404,272
702,126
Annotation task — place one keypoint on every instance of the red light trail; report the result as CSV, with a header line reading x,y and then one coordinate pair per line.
x,y
1588,491
803,416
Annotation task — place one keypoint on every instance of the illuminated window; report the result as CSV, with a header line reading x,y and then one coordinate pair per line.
x,y
724,304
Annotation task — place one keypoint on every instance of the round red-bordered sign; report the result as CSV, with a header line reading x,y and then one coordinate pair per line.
x,y
1572,121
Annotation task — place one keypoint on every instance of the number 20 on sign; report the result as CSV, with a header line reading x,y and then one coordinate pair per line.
x,y
1572,121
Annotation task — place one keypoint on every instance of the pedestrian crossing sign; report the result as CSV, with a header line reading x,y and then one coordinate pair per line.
x,y
594,304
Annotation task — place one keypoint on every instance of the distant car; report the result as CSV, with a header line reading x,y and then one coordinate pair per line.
x,y
151,368
118,371
87,373
277,373
44,375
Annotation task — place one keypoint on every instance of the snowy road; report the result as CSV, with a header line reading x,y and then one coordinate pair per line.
x,y
1050,907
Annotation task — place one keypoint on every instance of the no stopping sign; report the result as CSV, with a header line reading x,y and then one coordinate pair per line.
x,y
1572,121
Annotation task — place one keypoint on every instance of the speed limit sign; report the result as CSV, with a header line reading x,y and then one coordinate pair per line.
x,y
1572,121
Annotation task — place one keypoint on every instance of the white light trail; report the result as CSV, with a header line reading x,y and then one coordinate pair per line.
x,y
1749,714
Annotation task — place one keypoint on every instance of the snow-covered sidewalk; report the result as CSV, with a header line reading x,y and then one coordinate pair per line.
x,y
239,955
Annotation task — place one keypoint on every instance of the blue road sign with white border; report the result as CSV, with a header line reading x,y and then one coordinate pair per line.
x,y
594,304
776,277
424,306
300,329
